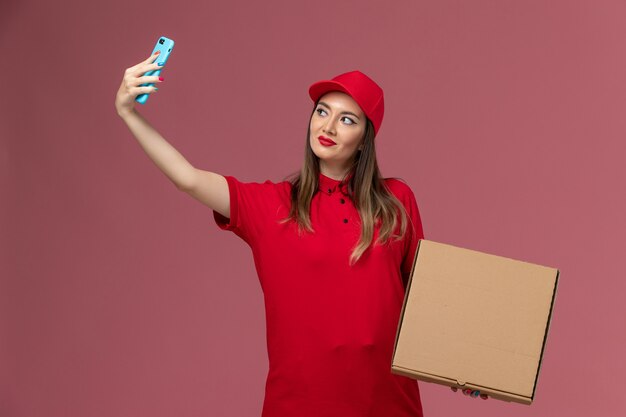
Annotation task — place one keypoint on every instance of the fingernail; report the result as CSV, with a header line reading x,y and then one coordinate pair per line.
x,y
475,393
161,79
155,89
160,64
157,52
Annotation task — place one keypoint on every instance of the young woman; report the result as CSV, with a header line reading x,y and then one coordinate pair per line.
x,y
333,248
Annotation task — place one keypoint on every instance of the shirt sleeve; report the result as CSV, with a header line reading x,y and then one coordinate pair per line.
x,y
415,232
250,206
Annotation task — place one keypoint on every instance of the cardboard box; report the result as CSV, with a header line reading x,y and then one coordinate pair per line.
x,y
475,320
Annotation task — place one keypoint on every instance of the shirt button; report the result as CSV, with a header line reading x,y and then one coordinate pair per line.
x,y
330,191
342,201
345,220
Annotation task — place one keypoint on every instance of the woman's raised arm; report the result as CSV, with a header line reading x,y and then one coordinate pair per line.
x,y
164,155
207,187
168,159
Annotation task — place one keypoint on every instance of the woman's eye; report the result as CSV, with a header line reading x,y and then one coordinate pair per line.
x,y
351,121
320,110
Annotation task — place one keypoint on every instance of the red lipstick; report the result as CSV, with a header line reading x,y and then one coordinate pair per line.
x,y
325,141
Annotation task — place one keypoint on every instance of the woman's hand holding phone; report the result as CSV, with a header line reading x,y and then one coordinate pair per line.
x,y
138,81
131,84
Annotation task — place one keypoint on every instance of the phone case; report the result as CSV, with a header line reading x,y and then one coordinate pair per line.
x,y
165,45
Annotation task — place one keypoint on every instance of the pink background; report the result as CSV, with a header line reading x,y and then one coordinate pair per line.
x,y
121,297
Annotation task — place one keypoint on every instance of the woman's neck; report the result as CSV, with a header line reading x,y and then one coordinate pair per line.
x,y
336,173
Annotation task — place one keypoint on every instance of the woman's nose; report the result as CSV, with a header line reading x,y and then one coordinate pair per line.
x,y
330,126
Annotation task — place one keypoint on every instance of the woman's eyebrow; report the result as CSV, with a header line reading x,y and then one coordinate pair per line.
x,y
343,112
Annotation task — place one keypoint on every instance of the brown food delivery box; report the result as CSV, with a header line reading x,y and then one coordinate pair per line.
x,y
476,321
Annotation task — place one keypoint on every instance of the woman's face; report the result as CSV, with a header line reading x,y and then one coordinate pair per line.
x,y
339,118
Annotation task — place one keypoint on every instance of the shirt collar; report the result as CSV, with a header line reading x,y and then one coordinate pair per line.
x,y
329,185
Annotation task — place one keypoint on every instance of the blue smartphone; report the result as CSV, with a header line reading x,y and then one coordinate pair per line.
x,y
165,45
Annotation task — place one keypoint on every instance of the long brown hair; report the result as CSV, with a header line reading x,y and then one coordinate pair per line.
x,y
366,189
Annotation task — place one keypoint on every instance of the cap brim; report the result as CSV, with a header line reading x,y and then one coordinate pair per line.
x,y
318,89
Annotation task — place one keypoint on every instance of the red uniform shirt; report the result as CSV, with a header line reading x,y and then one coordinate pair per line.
x,y
330,327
